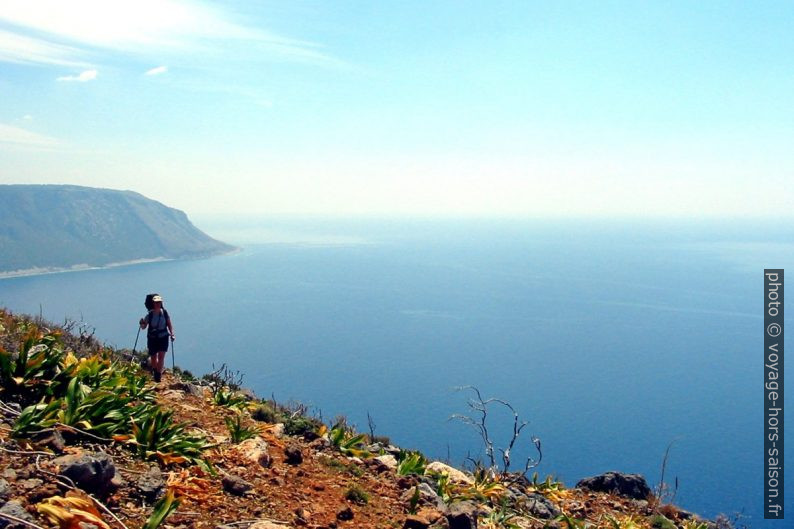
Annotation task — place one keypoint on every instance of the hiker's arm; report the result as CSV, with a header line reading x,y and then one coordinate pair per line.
x,y
143,323
170,328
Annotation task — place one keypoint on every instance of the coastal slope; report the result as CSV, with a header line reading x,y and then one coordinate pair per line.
x,y
56,227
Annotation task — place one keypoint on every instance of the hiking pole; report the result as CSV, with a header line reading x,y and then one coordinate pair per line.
x,y
173,360
136,340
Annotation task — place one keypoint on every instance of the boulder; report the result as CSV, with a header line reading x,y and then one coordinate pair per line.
x,y
385,462
235,485
628,485
278,430
541,507
151,484
427,496
293,454
255,450
15,509
49,439
93,472
345,515
455,475
462,515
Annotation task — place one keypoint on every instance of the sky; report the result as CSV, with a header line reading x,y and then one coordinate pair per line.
x,y
406,108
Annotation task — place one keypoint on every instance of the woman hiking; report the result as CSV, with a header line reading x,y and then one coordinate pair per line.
x,y
159,323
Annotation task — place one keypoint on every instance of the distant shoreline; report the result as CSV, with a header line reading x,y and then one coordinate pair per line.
x,y
41,271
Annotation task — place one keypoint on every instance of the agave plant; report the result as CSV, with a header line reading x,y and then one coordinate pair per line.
x,y
348,442
237,432
30,375
229,399
158,436
411,462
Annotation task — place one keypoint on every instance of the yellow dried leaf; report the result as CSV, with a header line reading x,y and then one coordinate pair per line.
x,y
70,359
69,512
170,458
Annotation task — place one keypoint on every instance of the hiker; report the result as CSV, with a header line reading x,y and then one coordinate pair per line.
x,y
159,323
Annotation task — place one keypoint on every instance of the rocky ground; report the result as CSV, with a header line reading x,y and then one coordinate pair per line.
x,y
275,480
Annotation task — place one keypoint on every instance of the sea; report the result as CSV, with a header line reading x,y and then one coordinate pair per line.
x,y
618,340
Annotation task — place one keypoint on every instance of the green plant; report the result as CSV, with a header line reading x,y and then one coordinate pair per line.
x,y
499,518
410,462
302,425
571,523
357,495
31,374
158,436
349,443
161,510
239,433
694,524
339,466
229,399
657,521
486,487
625,522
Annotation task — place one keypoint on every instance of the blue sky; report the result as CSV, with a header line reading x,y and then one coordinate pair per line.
x,y
406,108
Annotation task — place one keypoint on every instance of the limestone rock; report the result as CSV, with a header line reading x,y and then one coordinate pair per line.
x,y
455,475
386,462
255,450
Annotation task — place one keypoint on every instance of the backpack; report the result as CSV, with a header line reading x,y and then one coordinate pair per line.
x,y
157,333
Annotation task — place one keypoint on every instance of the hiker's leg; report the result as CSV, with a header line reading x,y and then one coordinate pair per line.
x,y
161,360
153,361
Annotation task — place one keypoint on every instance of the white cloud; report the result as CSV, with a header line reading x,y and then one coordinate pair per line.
x,y
157,71
144,27
20,49
88,75
19,137
27,117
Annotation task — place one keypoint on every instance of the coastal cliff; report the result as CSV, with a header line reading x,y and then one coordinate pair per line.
x,y
57,227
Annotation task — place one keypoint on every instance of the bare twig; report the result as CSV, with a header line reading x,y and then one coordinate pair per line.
x,y
371,424
480,406
19,520
27,452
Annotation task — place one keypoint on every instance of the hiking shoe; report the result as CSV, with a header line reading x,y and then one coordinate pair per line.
x,y
157,376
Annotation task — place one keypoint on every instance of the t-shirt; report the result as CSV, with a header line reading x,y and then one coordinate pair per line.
x,y
158,324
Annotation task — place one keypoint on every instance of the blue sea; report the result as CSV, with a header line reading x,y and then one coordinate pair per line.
x,y
614,339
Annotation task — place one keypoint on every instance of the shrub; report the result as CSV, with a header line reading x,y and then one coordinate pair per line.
x,y
357,495
266,413
301,425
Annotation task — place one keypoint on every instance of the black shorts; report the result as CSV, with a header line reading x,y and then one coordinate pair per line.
x,y
157,345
